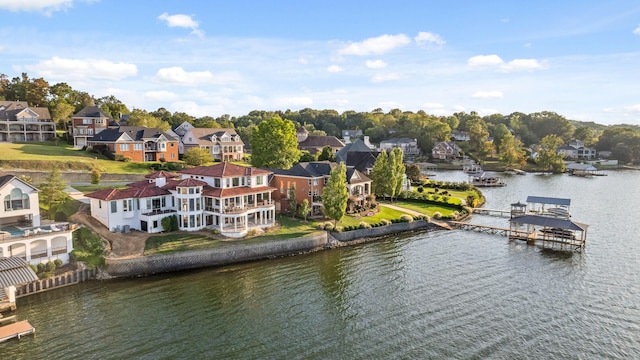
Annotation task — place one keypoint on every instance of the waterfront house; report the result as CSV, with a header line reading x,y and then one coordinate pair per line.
x,y
309,178
21,233
138,143
14,272
222,144
446,150
575,149
226,197
19,122
88,122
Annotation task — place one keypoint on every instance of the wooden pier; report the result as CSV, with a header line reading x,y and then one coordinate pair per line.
x,y
480,228
15,330
492,212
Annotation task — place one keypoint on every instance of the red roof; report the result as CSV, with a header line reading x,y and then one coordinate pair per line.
x,y
161,174
225,169
128,193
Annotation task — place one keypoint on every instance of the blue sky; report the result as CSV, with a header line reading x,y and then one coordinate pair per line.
x,y
578,58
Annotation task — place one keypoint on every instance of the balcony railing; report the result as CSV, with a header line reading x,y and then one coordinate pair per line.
x,y
158,212
241,209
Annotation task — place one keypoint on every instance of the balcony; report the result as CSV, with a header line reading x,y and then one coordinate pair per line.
x,y
241,209
158,212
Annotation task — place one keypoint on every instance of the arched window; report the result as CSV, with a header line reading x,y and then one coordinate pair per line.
x,y
16,200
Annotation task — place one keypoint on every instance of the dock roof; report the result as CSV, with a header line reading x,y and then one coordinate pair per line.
x,y
548,200
549,222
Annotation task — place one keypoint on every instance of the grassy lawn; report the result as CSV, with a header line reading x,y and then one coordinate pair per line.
x,y
384,213
165,244
42,154
427,209
91,188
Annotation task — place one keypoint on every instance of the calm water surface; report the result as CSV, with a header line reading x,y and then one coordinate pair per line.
x,y
431,295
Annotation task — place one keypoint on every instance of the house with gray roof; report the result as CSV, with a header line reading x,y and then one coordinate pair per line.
x,y
138,143
19,122
223,144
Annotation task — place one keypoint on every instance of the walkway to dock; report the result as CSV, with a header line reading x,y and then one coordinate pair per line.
x,y
480,228
16,330
493,212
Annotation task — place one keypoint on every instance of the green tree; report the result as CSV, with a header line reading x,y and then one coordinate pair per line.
x,y
274,144
140,117
95,175
335,194
511,153
112,106
500,131
413,172
293,204
327,154
548,157
380,175
52,194
197,156
306,156
478,134
396,169
304,209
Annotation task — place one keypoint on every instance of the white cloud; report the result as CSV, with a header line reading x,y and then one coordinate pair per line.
x,y
177,75
633,108
511,66
61,68
637,30
375,64
375,46
334,69
160,95
428,38
432,105
293,102
182,20
303,61
385,77
484,60
488,95
45,6
523,65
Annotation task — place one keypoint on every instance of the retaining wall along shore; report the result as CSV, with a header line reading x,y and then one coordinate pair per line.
x,y
147,265
153,264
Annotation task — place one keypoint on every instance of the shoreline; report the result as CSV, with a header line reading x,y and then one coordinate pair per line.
x,y
126,267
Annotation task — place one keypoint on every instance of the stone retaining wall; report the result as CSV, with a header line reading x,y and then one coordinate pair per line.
x,y
353,235
147,265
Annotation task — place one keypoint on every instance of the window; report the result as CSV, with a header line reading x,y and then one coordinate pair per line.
x,y
259,180
137,147
191,190
172,155
236,181
16,200
127,205
216,182
124,147
155,224
114,207
87,122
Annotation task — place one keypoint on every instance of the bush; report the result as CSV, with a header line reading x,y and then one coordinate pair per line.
x,y
50,267
420,189
364,225
60,216
58,263
127,159
328,226
170,223
385,222
118,157
41,267
406,218
437,215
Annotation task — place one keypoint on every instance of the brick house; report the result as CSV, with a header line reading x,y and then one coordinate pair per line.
x,y
138,143
87,123
446,150
309,179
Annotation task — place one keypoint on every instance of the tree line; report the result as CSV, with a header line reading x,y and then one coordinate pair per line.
x,y
492,136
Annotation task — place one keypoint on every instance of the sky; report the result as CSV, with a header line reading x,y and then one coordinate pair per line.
x,y
579,58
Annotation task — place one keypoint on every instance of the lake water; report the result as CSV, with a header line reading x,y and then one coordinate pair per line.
x,y
444,294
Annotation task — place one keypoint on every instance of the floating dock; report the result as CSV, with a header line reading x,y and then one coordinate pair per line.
x,y
16,330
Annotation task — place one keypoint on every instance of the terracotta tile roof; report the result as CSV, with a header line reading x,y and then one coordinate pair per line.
x,y
129,193
225,169
162,174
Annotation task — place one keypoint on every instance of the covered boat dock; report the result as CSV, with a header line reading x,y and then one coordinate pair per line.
x,y
548,231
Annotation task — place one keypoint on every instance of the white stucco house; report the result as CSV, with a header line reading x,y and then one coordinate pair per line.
x,y
230,198
21,232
